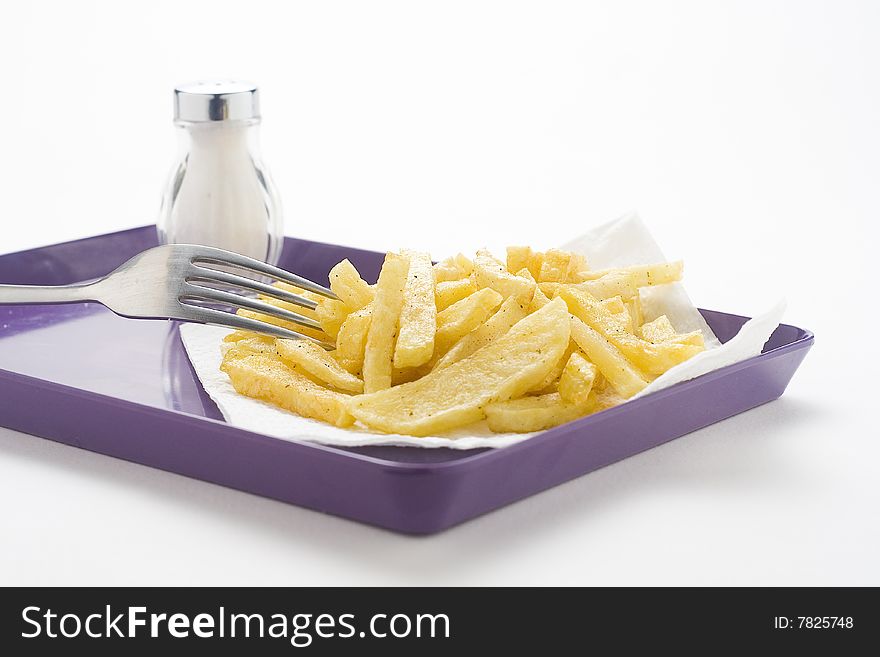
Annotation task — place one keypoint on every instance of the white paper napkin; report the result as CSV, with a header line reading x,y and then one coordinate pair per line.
x,y
623,242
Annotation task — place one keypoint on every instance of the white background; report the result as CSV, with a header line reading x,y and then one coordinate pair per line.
x,y
745,133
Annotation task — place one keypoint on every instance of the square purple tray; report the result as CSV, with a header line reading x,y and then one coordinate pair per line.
x,y
80,375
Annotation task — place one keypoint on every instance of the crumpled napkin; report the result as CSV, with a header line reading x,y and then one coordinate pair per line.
x,y
625,241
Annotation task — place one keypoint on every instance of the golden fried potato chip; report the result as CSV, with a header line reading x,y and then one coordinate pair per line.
x,y
693,339
239,335
450,292
555,267
615,284
661,330
658,330
379,351
331,314
528,414
265,377
509,313
465,264
536,262
576,380
528,343
644,275
451,270
317,362
621,319
623,376
283,323
418,317
637,317
577,263
463,317
614,305
456,395
539,299
489,273
551,381
351,342
293,289
518,258
248,342
347,284
653,359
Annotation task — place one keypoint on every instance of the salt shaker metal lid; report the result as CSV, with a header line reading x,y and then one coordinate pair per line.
x,y
216,100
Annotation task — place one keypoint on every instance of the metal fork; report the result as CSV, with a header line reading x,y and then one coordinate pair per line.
x,y
179,281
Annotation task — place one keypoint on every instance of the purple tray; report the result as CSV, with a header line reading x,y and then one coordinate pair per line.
x,y
81,375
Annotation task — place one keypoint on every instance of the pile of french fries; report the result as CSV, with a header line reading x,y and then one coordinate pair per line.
x,y
525,344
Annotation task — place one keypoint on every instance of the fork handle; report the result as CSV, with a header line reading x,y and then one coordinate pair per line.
x,y
26,294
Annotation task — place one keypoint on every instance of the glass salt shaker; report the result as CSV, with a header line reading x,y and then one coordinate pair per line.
x,y
220,193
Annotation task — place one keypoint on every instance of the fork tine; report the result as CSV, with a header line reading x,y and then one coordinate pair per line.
x,y
210,255
217,276
210,294
204,315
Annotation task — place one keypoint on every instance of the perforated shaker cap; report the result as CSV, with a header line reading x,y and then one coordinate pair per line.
x,y
216,100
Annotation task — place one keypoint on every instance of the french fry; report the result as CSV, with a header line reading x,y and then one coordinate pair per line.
x,y
653,359
463,317
450,292
551,381
527,344
302,310
623,376
347,284
643,275
293,289
351,342
465,265
239,335
634,307
249,342
657,274
449,270
577,264
283,323
614,305
409,374
618,311
456,395
694,339
264,377
489,273
539,299
615,284
611,286
528,414
658,330
317,362
549,288
331,314
518,258
526,274
555,267
622,320
577,379
418,317
535,264
387,304
509,313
